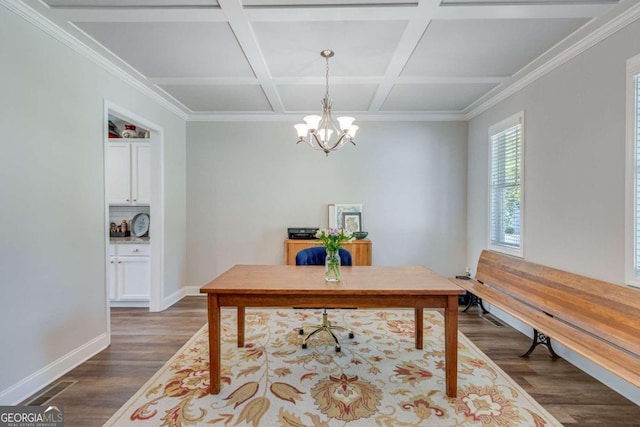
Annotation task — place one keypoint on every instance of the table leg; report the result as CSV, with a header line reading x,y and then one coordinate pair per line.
x,y
240,327
419,320
213,308
451,345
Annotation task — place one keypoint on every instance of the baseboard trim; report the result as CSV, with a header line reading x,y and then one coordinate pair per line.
x,y
173,298
130,304
41,378
192,291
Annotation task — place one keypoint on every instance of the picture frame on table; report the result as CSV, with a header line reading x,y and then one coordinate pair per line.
x,y
352,221
337,212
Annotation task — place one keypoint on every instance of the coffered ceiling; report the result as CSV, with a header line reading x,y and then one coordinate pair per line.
x,y
260,59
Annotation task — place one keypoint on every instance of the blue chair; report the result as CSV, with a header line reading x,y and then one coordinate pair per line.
x,y
316,256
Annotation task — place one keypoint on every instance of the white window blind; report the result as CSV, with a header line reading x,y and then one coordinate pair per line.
x,y
506,185
637,175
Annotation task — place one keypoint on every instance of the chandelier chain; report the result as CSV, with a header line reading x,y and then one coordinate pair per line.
x,y
327,77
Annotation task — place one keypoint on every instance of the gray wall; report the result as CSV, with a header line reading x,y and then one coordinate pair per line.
x,y
574,163
52,209
248,182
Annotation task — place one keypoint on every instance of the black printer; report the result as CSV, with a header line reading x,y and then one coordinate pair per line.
x,y
302,233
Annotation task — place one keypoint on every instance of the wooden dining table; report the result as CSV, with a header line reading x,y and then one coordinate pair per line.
x,y
414,287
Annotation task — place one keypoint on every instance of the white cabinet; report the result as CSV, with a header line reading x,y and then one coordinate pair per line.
x,y
118,172
141,173
135,278
129,274
128,173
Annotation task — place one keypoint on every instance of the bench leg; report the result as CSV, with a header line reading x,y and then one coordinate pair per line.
x,y
540,338
473,300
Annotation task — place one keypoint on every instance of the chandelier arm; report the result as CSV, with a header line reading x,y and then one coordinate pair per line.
x,y
333,147
318,142
309,141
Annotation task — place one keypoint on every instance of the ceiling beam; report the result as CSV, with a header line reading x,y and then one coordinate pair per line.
x,y
436,116
410,38
332,13
191,81
249,45
309,14
320,81
141,14
526,11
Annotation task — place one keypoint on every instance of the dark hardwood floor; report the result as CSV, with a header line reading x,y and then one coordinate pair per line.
x,y
141,342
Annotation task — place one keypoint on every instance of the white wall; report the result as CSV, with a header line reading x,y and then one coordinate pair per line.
x,y
248,182
574,164
52,210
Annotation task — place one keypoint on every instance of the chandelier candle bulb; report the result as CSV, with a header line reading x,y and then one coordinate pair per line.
x,y
318,130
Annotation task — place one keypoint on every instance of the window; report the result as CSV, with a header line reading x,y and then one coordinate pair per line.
x,y
506,185
633,173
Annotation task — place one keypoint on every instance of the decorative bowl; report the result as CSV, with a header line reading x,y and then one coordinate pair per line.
x,y
360,234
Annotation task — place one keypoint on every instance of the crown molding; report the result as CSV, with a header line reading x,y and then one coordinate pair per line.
x,y
593,38
53,30
438,116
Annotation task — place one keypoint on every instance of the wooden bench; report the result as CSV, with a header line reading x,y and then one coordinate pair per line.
x,y
596,319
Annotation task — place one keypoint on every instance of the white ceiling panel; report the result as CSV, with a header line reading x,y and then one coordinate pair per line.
x,y
227,98
487,47
173,49
362,48
308,98
131,3
434,97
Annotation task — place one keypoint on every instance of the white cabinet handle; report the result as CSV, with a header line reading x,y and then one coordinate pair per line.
x,y
119,262
136,250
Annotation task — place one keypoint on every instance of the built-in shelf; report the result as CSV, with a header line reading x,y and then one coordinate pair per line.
x,y
119,130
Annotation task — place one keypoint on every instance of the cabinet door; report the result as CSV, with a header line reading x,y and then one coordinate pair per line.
x,y
118,172
141,172
112,278
292,247
135,274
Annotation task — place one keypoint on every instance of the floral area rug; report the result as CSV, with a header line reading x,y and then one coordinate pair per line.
x,y
379,378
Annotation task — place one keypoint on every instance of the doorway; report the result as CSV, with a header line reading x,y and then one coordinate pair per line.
x,y
152,134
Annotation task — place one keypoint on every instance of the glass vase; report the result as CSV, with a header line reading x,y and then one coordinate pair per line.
x,y
332,267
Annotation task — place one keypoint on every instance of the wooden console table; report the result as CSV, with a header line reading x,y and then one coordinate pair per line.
x,y
360,250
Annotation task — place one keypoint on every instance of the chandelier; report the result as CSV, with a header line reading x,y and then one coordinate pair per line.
x,y
317,131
